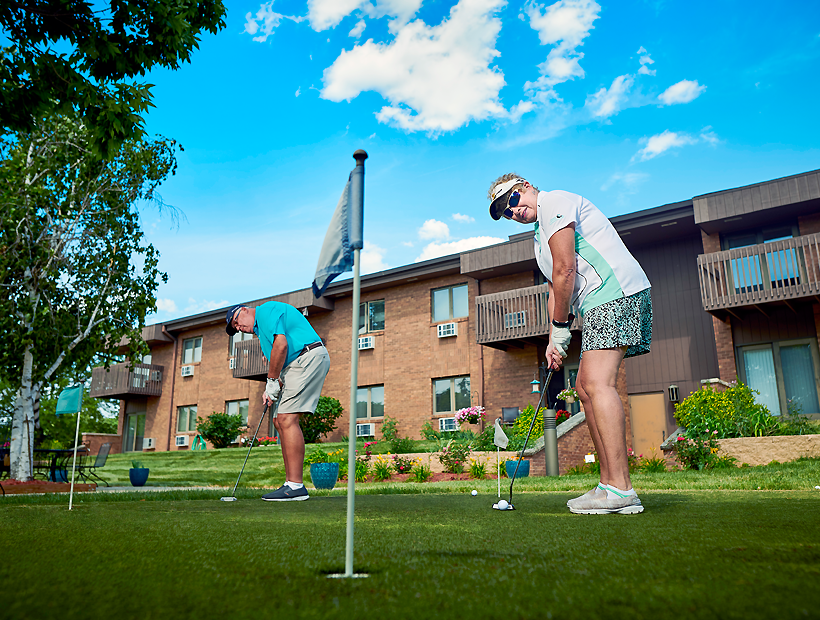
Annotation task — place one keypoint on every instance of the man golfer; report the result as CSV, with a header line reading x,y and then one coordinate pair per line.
x,y
297,367
587,266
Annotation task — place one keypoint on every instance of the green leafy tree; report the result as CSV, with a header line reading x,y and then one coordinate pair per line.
x,y
75,274
58,431
323,421
220,428
80,56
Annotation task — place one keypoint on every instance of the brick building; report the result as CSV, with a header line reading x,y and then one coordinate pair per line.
x,y
736,293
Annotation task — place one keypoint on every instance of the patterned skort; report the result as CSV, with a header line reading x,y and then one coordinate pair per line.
x,y
622,322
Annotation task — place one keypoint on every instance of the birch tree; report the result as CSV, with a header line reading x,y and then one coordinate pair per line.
x,y
76,275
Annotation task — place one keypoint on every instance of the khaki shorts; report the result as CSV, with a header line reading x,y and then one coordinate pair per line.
x,y
303,380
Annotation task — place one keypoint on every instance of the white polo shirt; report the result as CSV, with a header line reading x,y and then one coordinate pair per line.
x,y
605,270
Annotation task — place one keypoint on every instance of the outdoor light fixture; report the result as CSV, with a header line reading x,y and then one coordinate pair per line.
x,y
535,386
673,393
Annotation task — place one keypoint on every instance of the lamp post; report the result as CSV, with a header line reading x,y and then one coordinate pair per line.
x,y
550,435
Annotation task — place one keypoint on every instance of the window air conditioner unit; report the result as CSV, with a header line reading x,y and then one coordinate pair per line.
x,y
445,330
148,443
447,424
187,371
181,440
515,319
156,375
232,363
366,430
366,342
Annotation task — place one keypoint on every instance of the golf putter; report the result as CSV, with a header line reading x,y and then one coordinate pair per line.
x,y
526,441
232,496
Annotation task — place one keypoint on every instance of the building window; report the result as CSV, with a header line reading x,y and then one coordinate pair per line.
x,y
186,419
370,402
237,337
784,373
371,316
191,350
233,407
753,273
451,394
450,303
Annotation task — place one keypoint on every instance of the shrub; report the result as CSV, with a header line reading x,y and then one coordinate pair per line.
x,y
732,413
389,425
484,440
478,470
362,468
402,465
398,445
697,451
220,428
429,433
723,461
795,423
522,423
323,420
578,470
382,468
453,456
420,472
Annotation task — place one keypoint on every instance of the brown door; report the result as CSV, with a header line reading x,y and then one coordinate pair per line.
x,y
648,422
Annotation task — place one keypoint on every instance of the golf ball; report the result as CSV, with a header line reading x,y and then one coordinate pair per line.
x,y
473,492
502,505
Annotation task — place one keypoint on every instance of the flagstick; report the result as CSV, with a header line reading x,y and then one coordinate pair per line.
x,y
498,467
354,381
74,463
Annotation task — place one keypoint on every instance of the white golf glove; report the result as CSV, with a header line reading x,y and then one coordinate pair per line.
x,y
273,389
560,338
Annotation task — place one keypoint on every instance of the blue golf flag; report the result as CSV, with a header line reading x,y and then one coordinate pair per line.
x,y
70,400
336,256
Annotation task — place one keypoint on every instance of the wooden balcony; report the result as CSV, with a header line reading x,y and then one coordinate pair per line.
x,y
514,318
123,380
249,363
778,271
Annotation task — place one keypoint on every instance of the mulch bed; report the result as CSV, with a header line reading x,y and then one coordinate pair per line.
x,y
15,487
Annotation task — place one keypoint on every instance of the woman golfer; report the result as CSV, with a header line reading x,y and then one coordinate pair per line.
x,y
588,267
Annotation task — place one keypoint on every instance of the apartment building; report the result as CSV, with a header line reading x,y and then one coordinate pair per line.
x,y
736,292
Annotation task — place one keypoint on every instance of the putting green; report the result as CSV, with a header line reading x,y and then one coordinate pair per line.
x,y
702,554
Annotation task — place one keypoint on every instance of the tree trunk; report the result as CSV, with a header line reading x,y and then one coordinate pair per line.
x,y
22,425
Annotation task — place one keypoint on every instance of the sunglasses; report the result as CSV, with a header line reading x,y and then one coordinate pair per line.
x,y
515,198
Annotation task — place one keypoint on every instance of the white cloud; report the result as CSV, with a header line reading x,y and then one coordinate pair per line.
x,y
682,92
435,78
266,20
464,219
434,250
662,142
324,14
407,244
646,60
196,306
401,10
433,229
372,258
606,103
358,29
166,305
707,135
566,23
298,92
628,180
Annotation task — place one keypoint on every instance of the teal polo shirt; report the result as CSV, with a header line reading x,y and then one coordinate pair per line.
x,y
275,317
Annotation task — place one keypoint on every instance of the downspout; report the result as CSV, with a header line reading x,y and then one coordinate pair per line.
x,y
173,381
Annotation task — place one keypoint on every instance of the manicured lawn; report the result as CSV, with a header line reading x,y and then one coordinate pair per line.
x,y
693,554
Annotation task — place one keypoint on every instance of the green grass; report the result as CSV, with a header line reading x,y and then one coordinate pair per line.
x,y
693,554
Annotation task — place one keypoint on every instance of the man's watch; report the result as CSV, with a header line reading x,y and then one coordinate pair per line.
x,y
567,323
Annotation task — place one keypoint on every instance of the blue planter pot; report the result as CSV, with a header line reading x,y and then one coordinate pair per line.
x,y
138,476
60,475
324,475
523,469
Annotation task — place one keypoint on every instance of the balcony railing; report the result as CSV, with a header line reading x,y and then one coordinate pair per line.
x,y
764,273
249,363
122,380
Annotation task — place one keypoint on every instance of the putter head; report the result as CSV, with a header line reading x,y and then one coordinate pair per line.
x,y
228,499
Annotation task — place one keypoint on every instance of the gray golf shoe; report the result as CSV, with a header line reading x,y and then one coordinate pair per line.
x,y
595,492
600,505
286,494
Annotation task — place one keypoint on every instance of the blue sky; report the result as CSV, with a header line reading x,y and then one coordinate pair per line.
x,y
632,104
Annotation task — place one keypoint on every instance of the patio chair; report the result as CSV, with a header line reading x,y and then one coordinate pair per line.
x,y
89,471
509,415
